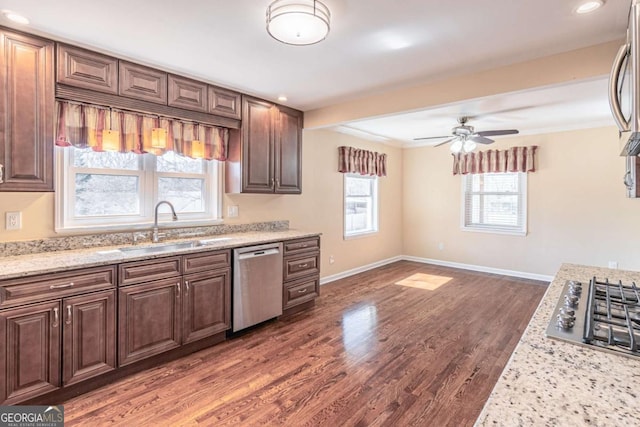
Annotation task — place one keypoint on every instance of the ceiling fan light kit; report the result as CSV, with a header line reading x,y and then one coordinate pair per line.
x,y
465,138
298,22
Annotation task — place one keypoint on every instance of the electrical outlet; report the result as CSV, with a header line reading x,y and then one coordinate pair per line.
x,y
331,259
613,264
440,246
13,221
232,211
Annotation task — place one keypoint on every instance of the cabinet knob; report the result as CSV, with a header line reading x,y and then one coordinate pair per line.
x,y
56,318
69,314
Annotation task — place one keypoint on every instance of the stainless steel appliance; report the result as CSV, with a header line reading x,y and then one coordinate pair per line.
x,y
257,284
624,98
604,315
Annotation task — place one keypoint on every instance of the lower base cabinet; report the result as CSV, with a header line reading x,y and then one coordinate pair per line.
x,y
206,304
30,362
149,320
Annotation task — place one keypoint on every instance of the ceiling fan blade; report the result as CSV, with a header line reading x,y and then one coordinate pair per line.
x,y
498,132
446,141
481,139
431,137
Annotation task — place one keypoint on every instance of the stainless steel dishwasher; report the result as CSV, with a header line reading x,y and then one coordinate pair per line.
x,y
257,284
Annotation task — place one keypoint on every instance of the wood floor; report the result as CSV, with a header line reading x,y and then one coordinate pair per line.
x,y
370,353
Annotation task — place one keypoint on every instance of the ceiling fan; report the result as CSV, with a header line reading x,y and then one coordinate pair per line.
x,y
465,138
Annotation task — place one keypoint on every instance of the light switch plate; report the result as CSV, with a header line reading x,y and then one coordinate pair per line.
x,y
13,221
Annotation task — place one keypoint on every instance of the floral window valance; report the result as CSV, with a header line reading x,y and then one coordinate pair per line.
x,y
84,125
514,159
354,160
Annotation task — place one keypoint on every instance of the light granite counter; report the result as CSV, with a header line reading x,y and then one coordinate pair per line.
x,y
50,262
553,383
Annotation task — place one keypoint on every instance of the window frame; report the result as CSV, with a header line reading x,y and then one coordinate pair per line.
x,y
521,230
374,203
65,172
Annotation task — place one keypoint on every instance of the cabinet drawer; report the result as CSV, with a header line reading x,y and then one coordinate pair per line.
x,y
224,102
206,261
146,271
300,291
85,69
37,288
301,245
143,83
301,266
187,93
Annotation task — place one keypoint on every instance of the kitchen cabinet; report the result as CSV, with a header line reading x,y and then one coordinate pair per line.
x,y
225,102
301,273
149,319
188,94
86,69
266,155
157,315
30,357
143,83
26,112
56,330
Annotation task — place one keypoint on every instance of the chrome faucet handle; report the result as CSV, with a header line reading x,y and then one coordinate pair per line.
x,y
137,236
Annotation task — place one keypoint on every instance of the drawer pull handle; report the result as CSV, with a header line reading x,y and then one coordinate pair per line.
x,y
305,265
302,291
56,317
68,285
68,322
178,289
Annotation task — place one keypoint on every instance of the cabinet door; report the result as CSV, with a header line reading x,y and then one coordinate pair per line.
x,y
257,146
30,353
288,151
142,83
206,305
149,320
224,102
89,336
187,93
26,113
86,69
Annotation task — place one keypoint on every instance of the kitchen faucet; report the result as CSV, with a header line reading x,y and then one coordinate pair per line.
x,y
155,238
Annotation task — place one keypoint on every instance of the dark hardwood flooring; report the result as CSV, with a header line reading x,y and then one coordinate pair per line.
x,y
371,353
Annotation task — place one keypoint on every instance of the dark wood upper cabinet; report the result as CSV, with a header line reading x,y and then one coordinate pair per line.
x,y
30,362
144,83
86,69
187,93
288,151
266,155
224,102
26,112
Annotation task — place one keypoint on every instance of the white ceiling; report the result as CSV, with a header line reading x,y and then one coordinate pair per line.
x,y
374,45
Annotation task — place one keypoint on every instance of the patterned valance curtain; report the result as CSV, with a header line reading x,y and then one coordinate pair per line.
x,y
82,126
354,160
514,159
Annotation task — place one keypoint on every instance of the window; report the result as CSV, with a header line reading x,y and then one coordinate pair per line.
x,y
360,204
495,202
110,189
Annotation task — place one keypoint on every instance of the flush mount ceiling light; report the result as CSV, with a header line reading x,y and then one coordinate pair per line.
x,y
14,17
589,6
298,22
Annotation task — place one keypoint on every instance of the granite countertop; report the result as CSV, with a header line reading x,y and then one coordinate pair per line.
x,y
50,262
553,383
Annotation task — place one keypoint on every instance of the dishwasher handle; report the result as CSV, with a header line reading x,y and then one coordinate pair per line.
x,y
260,253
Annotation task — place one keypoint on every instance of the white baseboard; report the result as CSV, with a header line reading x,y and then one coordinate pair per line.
x,y
481,268
357,270
472,267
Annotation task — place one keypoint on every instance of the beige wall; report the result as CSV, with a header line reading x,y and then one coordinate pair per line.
x,y
577,209
319,208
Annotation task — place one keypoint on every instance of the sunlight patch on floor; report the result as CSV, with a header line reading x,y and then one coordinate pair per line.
x,y
424,281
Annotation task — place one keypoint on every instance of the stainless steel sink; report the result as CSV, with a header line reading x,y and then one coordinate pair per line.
x,y
169,247
160,248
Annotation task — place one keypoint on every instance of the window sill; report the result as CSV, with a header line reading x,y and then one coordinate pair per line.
x,y
86,229
360,235
494,231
